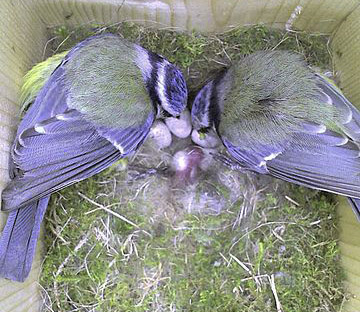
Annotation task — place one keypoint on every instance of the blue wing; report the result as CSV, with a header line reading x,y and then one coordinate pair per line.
x,y
315,157
18,240
55,146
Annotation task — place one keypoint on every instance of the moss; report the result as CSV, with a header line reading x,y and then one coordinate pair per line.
x,y
168,258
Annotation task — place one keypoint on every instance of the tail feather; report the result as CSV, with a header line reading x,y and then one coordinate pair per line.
x,y
18,240
355,205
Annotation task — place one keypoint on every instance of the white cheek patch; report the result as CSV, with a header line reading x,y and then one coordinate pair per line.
x,y
160,87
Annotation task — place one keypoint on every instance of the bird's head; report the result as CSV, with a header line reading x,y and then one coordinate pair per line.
x,y
170,89
202,114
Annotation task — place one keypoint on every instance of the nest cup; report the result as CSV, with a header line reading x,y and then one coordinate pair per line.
x,y
24,36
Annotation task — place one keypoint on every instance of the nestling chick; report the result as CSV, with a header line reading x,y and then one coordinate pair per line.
x,y
186,164
95,108
276,116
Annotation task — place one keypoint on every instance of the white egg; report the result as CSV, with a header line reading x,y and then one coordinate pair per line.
x,y
211,139
181,127
160,134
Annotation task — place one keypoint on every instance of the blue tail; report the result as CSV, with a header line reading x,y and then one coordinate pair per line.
x,y
355,204
18,240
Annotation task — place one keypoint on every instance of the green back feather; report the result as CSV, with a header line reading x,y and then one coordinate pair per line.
x,y
267,96
106,84
35,79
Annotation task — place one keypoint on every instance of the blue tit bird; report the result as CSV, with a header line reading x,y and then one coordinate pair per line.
x,y
276,116
89,108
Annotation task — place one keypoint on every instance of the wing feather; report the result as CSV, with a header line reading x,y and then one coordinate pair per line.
x,y
316,156
56,146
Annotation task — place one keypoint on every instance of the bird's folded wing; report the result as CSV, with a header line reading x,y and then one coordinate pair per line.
x,y
317,158
326,161
55,147
255,158
314,156
57,153
19,238
335,175
349,115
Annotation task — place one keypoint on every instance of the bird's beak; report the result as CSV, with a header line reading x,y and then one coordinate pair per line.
x,y
202,133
